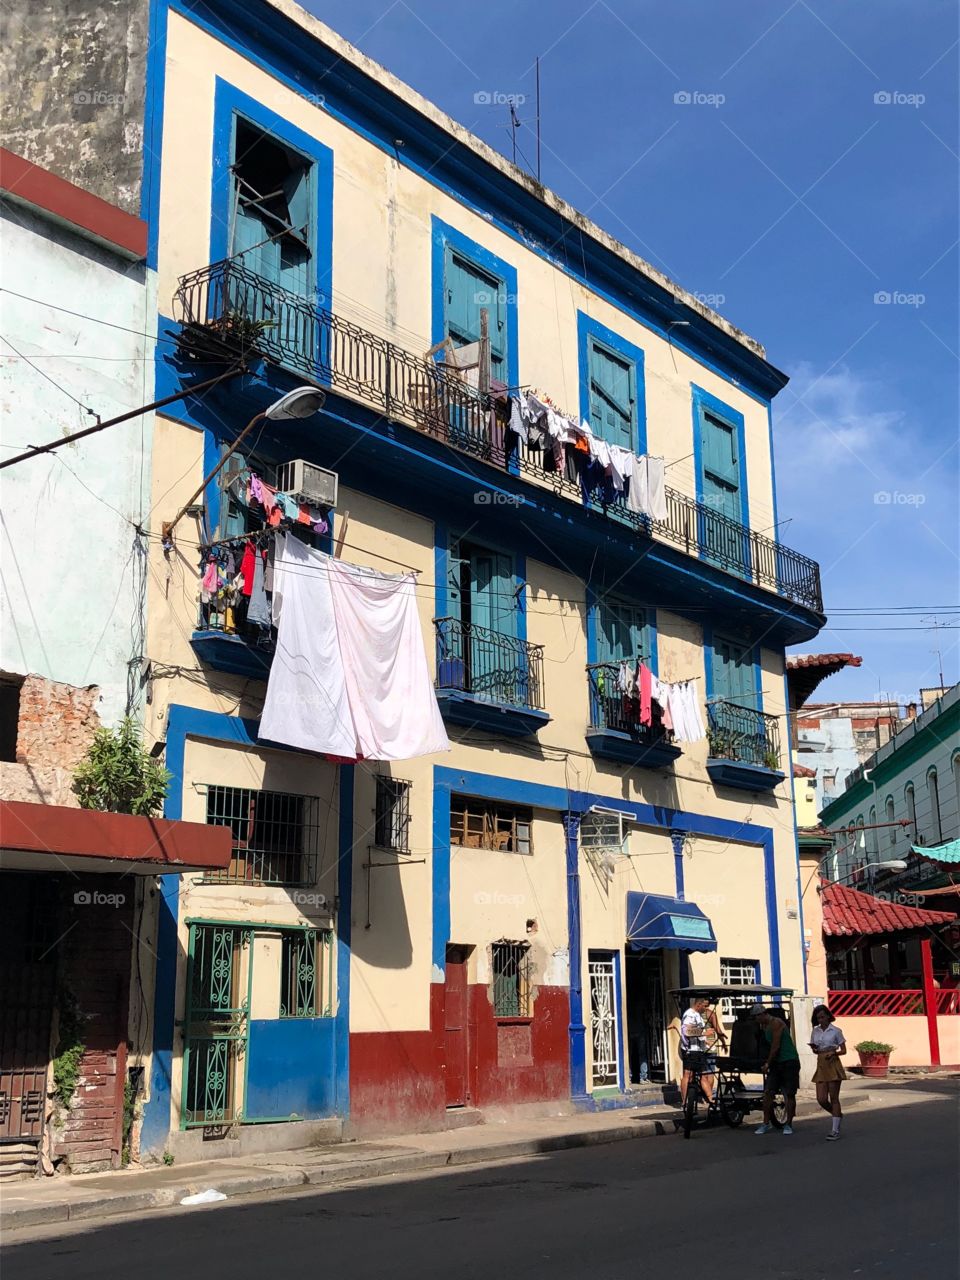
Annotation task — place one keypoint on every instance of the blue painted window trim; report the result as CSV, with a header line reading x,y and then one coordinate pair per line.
x,y
710,636
538,796
443,237
703,400
594,600
589,329
230,102
442,562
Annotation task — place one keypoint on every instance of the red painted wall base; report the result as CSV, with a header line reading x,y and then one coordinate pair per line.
x,y
397,1077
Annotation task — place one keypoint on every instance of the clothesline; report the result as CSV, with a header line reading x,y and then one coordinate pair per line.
x,y
267,532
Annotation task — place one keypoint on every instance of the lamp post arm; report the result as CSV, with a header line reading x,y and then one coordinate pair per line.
x,y
168,526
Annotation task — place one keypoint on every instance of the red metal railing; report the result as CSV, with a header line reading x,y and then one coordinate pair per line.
x,y
888,1004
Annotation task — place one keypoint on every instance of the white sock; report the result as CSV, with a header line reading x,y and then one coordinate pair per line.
x,y
835,1122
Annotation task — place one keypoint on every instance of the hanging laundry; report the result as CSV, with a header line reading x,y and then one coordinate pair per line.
x,y
258,610
246,568
646,686
303,514
289,507
681,709
656,490
350,675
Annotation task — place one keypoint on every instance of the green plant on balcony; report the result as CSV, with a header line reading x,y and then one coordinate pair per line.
x,y
721,744
771,759
243,330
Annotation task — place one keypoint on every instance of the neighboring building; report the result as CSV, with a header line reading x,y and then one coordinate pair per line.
x,y
913,781
399,945
834,738
76,887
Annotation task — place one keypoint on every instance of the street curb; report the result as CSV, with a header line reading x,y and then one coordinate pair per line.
x,y
271,1178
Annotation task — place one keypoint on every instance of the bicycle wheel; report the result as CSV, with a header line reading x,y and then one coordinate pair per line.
x,y
779,1115
730,1110
690,1106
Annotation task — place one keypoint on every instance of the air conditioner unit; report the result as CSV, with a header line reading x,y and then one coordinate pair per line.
x,y
312,484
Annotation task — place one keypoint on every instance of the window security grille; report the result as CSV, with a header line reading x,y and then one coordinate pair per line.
x,y
476,824
737,972
306,975
392,823
511,979
276,836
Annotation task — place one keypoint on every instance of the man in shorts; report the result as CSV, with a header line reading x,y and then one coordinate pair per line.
x,y
781,1071
699,1030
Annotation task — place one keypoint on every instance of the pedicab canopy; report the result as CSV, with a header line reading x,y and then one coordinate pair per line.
x,y
654,921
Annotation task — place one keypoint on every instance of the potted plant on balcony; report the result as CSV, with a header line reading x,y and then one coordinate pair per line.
x,y
874,1057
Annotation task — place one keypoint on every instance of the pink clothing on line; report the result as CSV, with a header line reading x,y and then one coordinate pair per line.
x,y
646,689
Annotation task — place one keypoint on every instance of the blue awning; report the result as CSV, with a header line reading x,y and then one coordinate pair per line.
x,y
653,921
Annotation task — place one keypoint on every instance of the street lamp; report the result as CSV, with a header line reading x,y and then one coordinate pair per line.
x,y
892,864
302,402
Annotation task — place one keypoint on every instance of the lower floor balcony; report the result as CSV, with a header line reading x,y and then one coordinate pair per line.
x,y
490,681
616,731
743,747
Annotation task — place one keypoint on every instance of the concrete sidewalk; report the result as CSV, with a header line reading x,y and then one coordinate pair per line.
x,y
87,1196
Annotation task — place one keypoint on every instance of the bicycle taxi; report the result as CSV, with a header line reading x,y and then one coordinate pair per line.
x,y
734,1097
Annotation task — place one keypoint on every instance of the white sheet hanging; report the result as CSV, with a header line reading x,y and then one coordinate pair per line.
x,y
306,704
349,677
391,695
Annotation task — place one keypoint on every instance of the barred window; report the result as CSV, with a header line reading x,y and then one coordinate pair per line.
x,y
306,973
480,824
511,979
276,836
738,972
392,825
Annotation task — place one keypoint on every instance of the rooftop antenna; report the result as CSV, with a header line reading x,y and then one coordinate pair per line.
x,y
514,126
538,117
937,624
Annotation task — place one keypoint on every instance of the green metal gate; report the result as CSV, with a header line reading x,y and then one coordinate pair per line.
x,y
216,1023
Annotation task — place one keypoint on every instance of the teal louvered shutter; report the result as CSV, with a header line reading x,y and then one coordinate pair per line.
x,y
493,592
612,396
733,672
720,463
470,291
295,257
622,632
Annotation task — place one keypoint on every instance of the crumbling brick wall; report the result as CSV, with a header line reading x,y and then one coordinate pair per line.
x,y
55,728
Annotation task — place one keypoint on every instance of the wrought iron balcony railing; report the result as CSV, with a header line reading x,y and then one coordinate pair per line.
x,y
228,310
490,666
743,734
612,709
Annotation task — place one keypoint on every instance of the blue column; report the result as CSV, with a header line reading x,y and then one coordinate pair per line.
x,y
677,839
578,1057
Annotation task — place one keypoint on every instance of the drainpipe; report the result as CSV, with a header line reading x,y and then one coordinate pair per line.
x,y
577,1029
930,1000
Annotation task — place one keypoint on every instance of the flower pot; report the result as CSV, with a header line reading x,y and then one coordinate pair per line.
x,y
874,1064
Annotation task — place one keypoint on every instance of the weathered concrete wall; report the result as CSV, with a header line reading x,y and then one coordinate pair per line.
x,y
73,564
73,76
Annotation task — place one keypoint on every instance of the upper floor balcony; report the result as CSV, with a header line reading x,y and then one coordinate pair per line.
x,y
226,311
743,747
488,680
616,730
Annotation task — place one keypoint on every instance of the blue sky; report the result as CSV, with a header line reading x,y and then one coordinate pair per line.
x,y
811,175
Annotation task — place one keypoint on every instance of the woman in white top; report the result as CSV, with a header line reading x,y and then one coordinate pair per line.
x,y
828,1043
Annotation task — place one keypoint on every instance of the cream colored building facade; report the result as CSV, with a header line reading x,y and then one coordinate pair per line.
x,y
477,954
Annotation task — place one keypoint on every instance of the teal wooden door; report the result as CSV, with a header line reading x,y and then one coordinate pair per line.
x,y
470,291
496,665
723,536
612,396
622,633
733,673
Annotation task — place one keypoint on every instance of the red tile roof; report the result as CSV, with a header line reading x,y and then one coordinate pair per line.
x,y
848,912
806,670
801,771
838,660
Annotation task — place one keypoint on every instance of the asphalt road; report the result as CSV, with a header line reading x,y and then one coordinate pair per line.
x,y
727,1205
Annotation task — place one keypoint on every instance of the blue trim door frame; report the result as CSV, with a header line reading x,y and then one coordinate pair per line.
x,y
185,722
